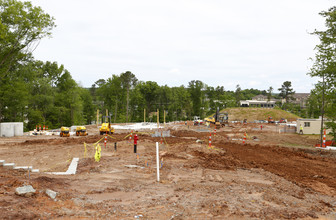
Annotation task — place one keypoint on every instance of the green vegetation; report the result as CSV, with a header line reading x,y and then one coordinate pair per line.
x,y
252,114
39,92
325,68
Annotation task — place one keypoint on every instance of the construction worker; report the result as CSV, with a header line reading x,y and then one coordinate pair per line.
x,y
301,129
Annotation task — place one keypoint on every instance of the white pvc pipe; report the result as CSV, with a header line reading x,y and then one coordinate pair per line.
x,y
157,162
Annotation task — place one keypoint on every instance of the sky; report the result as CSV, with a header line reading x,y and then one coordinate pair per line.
x,y
253,44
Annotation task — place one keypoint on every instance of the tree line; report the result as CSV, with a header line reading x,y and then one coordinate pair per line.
x,y
39,92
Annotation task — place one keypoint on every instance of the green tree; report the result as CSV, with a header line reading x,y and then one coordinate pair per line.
x,y
286,91
238,95
21,26
88,106
269,93
109,92
128,81
325,66
195,89
68,101
150,93
180,106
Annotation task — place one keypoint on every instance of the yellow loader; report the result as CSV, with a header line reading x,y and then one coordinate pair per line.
x,y
106,128
65,132
81,131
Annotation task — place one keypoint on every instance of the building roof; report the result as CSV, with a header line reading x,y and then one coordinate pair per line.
x,y
257,97
256,102
301,95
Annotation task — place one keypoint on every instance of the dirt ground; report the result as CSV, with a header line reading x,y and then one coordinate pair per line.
x,y
272,176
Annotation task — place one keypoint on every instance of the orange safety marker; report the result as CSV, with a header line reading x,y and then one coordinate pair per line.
x,y
215,132
36,127
244,139
43,127
47,127
39,127
210,140
324,138
130,137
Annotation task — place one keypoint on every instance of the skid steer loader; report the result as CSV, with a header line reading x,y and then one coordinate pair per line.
x,y
81,131
65,132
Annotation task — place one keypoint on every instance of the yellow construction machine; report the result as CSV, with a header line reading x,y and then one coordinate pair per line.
x,y
221,119
210,119
106,128
81,131
65,132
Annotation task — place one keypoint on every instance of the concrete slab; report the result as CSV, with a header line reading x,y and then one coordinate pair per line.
x,y
73,166
2,162
71,169
21,168
327,148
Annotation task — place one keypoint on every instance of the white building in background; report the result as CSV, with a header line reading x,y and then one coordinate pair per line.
x,y
257,104
11,129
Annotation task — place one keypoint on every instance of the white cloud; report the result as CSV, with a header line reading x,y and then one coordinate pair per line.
x,y
250,43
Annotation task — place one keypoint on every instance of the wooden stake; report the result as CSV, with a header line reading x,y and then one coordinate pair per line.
x,y
97,117
157,115
144,115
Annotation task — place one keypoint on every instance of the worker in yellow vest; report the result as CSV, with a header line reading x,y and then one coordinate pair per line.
x,y
301,129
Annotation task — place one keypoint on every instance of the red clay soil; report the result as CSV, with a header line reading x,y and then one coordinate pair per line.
x,y
296,166
257,180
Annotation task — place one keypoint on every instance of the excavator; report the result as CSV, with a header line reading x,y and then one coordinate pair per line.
x,y
221,119
210,119
65,132
81,131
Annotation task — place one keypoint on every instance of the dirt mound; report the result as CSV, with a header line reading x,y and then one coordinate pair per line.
x,y
294,165
252,114
214,161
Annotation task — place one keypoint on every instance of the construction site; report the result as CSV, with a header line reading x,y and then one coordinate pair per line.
x,y
177,171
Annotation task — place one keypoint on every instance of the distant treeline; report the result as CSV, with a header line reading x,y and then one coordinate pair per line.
x,y
37,92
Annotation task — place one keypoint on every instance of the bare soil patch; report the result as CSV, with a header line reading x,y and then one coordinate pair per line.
x,y
272,176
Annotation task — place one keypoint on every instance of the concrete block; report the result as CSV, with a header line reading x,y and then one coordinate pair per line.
x,y
11,129
52,194
164,134
18,128
7,129
35,170
26,191
21,168
9,165
2,162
